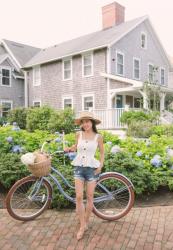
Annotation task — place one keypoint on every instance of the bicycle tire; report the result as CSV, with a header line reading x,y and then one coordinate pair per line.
x,y
15,213
110,212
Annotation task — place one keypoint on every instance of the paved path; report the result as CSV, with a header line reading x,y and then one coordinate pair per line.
x,y
143,228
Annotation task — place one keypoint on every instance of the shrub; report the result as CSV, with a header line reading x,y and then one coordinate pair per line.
x,y
140,129
38,118
136,116
62,120
18,115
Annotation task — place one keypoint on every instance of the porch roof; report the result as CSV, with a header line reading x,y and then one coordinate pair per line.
x,y
135,85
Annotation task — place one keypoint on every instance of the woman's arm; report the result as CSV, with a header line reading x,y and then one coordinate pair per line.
x,y
101,149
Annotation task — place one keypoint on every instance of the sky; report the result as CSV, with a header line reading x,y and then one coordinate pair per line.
x,y
44,23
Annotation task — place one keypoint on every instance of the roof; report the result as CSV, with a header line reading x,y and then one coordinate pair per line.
x,y
20,52
99,39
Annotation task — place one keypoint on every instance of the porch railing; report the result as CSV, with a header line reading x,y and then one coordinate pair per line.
x,y
110,118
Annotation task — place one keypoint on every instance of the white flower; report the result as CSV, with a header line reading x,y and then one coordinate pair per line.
x,y
28,158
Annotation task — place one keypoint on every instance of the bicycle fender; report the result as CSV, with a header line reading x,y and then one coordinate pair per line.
x,y
121,175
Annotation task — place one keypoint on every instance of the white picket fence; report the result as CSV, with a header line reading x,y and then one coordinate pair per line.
x,y
110,118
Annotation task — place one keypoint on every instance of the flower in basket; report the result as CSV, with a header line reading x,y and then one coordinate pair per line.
x,y
28,158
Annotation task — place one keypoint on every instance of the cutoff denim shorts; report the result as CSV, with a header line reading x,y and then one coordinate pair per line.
x,y
85,173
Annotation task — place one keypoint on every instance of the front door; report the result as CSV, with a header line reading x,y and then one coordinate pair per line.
x,y
129,101
119,101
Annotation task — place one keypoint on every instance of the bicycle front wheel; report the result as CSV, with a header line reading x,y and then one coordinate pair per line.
x,y
28,198
113,197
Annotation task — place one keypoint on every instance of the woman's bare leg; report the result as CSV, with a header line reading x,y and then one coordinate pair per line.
x,y
80,209
89,206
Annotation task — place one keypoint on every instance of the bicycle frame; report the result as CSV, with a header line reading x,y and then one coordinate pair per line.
x,y
108,195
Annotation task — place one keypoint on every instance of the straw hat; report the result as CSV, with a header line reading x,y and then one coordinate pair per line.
x,y
86,115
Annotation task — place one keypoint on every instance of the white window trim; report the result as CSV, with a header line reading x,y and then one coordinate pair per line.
x,y
88,95
161,75
37,101
92,64
6,101
149,71
39,83
146,43
71,67
8,68
137,59
67,97
121,53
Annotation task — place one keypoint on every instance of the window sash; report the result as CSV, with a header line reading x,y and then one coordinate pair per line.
x,y
6,106
67,69
120,64
88,102
68,103
136,69
37,104
6,76
143,41
162,76
151,73
87,65
37,75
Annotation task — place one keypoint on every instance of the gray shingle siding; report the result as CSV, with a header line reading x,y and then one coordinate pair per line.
x,y
53,88
130,45
15,92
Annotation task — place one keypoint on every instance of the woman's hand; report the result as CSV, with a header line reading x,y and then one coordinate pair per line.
x,y
98,170
67,149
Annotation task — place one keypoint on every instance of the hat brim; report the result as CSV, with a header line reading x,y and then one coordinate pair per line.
x,y
79,120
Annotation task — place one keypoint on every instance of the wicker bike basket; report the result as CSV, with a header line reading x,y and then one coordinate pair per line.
x,y
42,167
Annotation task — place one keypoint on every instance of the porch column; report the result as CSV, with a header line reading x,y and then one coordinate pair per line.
x,y
145,99
162,101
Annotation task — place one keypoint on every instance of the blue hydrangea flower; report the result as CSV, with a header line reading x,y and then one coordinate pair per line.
x,y
156,161
15,128
115,149
9,139
71,155
139,153
14,123
16,149
58,139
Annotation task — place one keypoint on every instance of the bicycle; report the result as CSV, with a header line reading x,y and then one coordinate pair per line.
x,y
31,196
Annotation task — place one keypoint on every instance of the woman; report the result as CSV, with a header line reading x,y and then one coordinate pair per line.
x,y
87,168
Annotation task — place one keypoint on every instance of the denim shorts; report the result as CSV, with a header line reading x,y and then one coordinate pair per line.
x,y
86,173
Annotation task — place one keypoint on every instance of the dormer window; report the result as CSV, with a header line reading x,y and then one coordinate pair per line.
x,y
143,40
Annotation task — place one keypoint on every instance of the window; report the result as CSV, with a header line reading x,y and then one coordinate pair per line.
x,y
150,73
5,107
143,41
120,64
162,76
67,103
87,65
6,77
67,69
136,68
37,103
36,76
88,102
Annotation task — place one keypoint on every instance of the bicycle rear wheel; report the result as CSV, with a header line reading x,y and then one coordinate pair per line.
x,y
113,197
28,198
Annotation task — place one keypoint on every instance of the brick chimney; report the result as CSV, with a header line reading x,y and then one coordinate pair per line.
x,y
112,14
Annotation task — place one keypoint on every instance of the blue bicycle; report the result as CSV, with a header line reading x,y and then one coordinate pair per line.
x,y
31,196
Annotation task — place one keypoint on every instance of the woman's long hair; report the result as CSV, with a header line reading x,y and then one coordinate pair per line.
x,y
93,127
